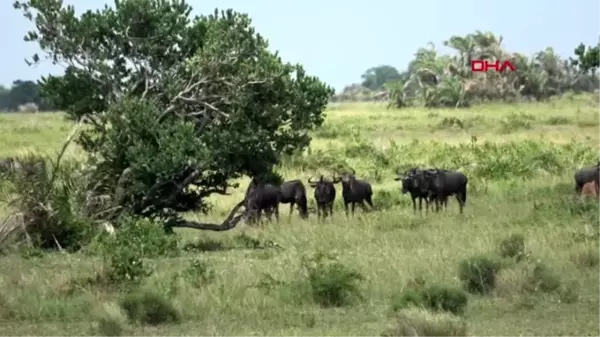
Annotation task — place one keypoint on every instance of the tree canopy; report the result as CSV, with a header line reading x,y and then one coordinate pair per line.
x,y
177,106
433,79
22,93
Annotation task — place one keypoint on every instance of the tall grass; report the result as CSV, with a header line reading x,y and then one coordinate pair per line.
x,y
344,276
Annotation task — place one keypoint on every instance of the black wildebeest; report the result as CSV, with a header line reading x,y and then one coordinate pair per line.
x,y
262,197
585,175
294,193
444,183
324,195
414,182
356,191
267,197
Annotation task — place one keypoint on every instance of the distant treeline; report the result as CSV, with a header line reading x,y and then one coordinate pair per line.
x,y
22,96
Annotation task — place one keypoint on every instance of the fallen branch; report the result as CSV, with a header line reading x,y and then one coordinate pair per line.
x,y
230,222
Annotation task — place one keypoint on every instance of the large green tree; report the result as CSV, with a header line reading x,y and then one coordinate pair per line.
x,y
177,107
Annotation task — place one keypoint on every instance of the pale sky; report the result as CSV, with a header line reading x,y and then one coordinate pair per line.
x,y
338,40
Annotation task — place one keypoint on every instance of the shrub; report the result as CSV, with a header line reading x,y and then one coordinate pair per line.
x,y
478,274
513,247
135,240
542,278
149,308
44,195
332,283
420,322
434,297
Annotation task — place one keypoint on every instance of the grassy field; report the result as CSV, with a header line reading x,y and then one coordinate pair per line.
x,y
520,161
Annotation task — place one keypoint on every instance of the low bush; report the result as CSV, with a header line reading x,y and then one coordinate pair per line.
x,y
478,274
149,308
434,298
513,247
332,283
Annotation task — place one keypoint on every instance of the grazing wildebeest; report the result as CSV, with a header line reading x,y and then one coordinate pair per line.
x,y
356,191
585,175
324,195
262,197
444,183
294,193
414,182
590,189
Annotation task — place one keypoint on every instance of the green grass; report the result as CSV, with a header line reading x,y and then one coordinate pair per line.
x,y
263,291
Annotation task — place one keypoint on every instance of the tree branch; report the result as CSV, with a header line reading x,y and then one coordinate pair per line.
x,y
230,222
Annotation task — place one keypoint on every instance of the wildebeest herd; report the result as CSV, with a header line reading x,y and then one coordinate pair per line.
x,y
434,185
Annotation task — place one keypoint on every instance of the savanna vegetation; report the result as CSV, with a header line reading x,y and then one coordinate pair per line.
x,y
160,142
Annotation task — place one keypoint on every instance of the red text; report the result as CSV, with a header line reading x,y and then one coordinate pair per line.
x,y
484,66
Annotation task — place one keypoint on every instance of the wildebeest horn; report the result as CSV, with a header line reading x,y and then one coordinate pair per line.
x,y
310,180
353,172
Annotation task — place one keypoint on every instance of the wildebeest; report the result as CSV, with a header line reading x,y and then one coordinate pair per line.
x,y
590,189
586,175
356,191
294,193
262,197
267,197
414,182
324,195
444,183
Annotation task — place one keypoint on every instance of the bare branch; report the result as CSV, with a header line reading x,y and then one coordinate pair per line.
x,y
229,223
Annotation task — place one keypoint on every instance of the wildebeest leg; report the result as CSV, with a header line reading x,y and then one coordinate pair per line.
x,y
352,206
420,205
331,209
277,212
461,201
319,211
363,206
414,200
346,207
369,201
291,209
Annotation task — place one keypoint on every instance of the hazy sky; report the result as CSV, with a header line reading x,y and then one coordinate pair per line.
x,y
338,40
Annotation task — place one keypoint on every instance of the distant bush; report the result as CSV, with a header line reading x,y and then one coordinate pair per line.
x,y
434,298
331,282
478,274
149,308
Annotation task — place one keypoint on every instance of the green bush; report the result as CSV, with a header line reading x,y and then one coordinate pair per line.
x,y
149,308
478,274
332,283
46,197
542,278
513,247
434,297
135,240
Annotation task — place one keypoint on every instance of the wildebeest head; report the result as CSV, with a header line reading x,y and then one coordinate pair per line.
x,y
322,181
413,180
348,177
